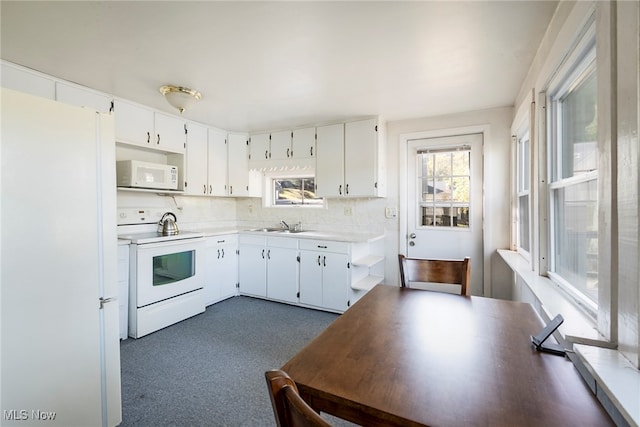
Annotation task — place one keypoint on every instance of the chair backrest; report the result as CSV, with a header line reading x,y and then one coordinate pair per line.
x,y
289,408
435,271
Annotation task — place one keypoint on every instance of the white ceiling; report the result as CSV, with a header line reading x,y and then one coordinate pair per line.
x,y
270,65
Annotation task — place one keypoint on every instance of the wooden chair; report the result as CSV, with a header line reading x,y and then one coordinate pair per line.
x,y
435,271
288,407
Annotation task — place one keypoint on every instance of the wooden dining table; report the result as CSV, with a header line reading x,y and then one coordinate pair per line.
x,y
409,357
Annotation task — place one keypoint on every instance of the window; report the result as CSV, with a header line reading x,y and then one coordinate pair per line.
x,y
445,176
523,184
573,184
294,191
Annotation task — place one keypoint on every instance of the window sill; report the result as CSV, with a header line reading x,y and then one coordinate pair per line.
x,y
611,377
549,301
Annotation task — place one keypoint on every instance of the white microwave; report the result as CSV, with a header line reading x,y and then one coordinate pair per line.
x,y
137,174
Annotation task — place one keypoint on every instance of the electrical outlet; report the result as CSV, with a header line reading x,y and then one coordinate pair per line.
x,y
390,212
348,211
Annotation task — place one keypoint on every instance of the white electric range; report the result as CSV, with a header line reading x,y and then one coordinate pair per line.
x,y
165,272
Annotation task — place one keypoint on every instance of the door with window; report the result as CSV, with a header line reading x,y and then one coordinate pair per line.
x,y
445,200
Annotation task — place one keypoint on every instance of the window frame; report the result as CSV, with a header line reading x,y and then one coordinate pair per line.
x,y
580,63
269,182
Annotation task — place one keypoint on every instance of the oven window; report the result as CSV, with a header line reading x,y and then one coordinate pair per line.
x,y
172,268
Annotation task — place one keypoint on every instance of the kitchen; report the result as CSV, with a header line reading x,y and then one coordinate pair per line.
x,y
344,214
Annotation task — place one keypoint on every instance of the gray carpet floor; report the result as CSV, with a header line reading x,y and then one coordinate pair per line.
x,y
209,370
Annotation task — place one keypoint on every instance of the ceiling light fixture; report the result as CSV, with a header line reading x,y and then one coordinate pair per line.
x,y
180,97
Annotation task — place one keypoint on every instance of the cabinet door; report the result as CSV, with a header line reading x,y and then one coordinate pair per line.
x,y
259,147
170,133
227,271
80,97
218,158
361,158
303,144
335,281
27,82
196,176
134,124
210,285
311,278
239,165
252,273
330,161
282,274
280,147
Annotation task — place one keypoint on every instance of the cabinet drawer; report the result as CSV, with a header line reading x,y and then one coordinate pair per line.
x,y
226,239
282,242
246,239
325,246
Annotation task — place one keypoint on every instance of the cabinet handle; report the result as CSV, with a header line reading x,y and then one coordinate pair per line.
x,y
210,189
263,254
311,151
218,253
324,261
347,189
148,138
231,189
158,142
269,254
319,260
204,189
340,190
266,154
222,253
288,151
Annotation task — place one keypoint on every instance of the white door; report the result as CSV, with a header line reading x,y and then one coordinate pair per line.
x,y
196,176
445,201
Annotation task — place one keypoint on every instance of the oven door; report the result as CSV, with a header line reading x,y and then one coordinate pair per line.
x,y
167,269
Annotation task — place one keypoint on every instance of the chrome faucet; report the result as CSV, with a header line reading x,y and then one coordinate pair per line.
x,y
285,226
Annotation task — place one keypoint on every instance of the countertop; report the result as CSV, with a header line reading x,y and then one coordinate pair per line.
x,y
351,237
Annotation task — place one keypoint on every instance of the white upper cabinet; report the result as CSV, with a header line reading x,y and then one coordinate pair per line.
x,y
134,123
330,161
83,97
239,165
259,149
364,160
280,147
218,163
303,143
196,183
349,161
139,125
170,132
27,81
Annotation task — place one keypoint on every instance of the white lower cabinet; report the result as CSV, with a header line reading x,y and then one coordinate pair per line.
x,y
221,269
269,267
282,269
252,266
324,274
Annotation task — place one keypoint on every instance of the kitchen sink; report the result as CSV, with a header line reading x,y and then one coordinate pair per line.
x,y
276,230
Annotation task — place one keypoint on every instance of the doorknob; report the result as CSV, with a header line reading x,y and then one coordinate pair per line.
x,y
412,235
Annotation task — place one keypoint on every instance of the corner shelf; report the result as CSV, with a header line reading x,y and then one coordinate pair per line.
x,y
367,283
